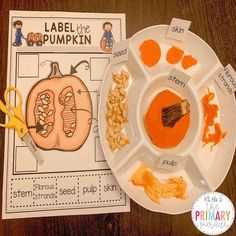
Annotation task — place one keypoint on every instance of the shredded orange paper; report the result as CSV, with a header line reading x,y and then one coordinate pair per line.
x,y
210,113
172,187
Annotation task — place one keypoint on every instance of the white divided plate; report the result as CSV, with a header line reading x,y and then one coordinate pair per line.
x,y
203,170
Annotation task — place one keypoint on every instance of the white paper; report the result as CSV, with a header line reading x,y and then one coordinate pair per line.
x,y
68,182
178,79
120,52
178,29
226,79
170,162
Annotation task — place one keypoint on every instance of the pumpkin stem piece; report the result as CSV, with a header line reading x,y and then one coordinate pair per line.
x,y
55,71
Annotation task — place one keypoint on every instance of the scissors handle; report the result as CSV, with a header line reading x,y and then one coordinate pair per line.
x,y
6,111
15,114
18,108
4,108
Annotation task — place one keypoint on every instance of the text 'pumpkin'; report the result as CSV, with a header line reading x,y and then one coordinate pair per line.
x,y
61,115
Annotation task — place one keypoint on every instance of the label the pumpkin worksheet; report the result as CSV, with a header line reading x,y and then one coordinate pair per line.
x,y
57,60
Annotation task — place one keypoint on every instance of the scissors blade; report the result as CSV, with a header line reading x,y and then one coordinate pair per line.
x,y
33,148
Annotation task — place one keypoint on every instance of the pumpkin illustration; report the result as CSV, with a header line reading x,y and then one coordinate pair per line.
x,y
57,115
30,39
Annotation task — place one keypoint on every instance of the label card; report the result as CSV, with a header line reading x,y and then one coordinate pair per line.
x,y
226,79
170,162
178,29
120,52
178,79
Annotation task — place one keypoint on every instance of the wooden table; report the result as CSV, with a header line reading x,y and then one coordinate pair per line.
x,y
214,21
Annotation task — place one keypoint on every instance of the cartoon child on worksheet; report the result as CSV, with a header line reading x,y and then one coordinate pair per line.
x,y
18,36
107,38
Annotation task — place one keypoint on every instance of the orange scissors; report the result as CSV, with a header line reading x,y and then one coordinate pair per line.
x,y
17,121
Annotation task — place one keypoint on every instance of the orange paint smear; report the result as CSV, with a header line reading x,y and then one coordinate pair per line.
x,y
172,187
162,136
188,61
174,55
150,52
210,113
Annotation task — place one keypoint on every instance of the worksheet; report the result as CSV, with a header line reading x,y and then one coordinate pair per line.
x,y
57,61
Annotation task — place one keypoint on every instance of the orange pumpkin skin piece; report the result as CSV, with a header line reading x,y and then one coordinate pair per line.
x,y
174,55
62,120
188,61
161,136
150,52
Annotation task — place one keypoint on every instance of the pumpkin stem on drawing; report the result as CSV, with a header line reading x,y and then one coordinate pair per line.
x,y
55,71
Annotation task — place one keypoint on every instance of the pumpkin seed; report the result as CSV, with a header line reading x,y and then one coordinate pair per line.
x,y
69,94
45,127
67,99
124,74
110,122
122,142
126,83
118,146
41,122
44,132
50,113
119,118
117,79
41,117
117,111
73,125
109,114
124,114
110,131
44,102
109,106
119,86
42,96
115,130
118,138
40,109
122,91
70,134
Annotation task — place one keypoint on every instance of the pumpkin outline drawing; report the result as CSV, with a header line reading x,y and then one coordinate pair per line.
x,y
56,94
